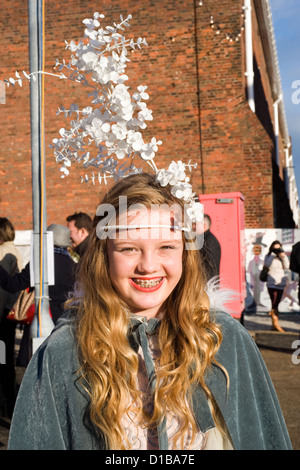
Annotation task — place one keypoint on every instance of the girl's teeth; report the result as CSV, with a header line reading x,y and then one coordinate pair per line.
x,y
150,283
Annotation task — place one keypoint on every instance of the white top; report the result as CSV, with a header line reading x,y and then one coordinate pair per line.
x,y
277,278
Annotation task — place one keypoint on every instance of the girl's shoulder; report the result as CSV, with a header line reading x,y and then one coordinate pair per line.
x,y
225,319
60,345
232,328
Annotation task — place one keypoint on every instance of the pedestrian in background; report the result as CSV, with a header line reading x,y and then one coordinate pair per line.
x,y
295,264
211,250
64,279
11,263
80,225
277,262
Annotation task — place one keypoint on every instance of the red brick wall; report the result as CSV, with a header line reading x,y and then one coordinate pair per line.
x,y
214,128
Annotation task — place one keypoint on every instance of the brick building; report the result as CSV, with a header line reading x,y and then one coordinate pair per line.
x,y
198,68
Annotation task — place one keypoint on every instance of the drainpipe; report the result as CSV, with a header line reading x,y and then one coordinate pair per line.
x,y
276,127
249,54
288,164
291,184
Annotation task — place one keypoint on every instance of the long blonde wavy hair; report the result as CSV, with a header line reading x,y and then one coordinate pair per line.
x,y
188,339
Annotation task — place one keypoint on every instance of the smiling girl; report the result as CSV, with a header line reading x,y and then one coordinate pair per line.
x,y
141,360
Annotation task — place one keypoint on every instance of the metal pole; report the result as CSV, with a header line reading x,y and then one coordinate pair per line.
x,y
42,324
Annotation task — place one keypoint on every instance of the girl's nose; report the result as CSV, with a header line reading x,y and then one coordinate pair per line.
x,y
147,262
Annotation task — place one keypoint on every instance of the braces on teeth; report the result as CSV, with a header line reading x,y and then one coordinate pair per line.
x,y
145,283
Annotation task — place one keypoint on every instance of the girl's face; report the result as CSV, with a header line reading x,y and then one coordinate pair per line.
x,y
145,265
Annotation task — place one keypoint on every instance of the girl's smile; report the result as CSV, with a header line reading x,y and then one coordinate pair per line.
x,y
147,285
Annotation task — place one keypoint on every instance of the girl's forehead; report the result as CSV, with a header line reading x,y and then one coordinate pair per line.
x,y
152,214
155,224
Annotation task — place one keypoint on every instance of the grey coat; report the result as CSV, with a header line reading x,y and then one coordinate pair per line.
x,y
51,408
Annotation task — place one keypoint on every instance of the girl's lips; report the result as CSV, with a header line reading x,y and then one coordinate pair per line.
x,y
147,285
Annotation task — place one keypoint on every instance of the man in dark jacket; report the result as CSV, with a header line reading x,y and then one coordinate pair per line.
x,y
80,226
211,250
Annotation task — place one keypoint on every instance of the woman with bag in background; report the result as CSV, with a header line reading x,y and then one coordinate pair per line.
x,y
64,275
276,261
11,262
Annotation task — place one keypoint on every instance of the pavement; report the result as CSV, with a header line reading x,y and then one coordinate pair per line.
x,y
281,353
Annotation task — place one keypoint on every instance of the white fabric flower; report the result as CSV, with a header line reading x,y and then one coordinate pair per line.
x,y
181,188
119,130
182,191
135,139
195,211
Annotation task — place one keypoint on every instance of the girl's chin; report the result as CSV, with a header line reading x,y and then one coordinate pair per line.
x,y
146,309
147,313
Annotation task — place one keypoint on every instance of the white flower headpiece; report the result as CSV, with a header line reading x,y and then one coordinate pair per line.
x,y
114,120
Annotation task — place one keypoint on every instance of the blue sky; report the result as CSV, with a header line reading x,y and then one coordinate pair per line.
x,y
286,18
